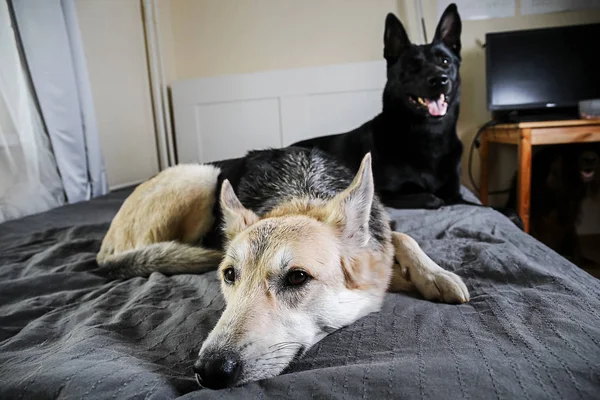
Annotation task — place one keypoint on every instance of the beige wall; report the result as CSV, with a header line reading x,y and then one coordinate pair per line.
x,y
237,36
114,45
166,39
203,38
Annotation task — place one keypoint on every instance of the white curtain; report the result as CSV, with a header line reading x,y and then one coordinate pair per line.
x,y
51,41
29,179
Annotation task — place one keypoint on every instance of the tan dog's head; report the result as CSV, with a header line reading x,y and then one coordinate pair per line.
x,y
290,278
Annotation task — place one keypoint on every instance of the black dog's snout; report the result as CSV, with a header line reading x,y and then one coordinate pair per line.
x,y
438,80
218,370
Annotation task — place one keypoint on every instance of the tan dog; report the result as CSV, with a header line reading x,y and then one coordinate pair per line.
x,y
306,250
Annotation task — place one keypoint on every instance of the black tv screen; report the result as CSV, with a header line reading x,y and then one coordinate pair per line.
x,y
543,68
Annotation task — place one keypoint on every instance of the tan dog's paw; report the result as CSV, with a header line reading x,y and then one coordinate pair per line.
x,y
431,280
442,285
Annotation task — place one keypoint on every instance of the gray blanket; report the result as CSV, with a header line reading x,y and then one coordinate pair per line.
x,y
531,330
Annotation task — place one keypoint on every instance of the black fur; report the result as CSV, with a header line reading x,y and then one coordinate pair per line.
x,y
264,179
416,156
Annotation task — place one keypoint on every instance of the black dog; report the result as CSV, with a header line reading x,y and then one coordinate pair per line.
x,y
416,152
562,176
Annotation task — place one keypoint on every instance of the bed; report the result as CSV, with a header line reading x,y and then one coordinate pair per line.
x,y
531,329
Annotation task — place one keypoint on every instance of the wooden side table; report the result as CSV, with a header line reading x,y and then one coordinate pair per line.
x,y
525,135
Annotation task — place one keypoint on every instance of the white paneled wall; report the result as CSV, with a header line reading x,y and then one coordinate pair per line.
x,y
224,117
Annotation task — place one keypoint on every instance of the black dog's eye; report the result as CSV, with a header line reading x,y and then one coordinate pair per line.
x,y
445,61
296,277
229,275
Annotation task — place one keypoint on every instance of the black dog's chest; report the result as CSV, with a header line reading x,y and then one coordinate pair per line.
x,y
405,178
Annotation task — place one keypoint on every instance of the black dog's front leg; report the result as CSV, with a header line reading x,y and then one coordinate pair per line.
x,y
450,192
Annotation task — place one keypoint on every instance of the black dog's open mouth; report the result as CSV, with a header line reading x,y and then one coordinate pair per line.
x,y
587,175
435,107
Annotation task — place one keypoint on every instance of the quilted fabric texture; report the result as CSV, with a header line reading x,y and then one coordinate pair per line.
x,y
531,330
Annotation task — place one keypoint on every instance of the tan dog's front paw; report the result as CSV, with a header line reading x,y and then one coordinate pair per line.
x,y
431,280
443,286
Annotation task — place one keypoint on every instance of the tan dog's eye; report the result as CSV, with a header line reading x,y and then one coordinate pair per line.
x,y
229,275
296,277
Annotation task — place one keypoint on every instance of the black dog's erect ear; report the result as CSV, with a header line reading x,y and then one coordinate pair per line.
x,y
449,28
395,39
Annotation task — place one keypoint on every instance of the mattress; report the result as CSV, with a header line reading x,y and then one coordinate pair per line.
x,y
531,329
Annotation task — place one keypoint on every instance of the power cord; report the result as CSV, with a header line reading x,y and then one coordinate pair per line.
x,y
476,144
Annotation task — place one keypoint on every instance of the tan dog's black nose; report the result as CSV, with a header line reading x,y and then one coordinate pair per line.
x,y
218,370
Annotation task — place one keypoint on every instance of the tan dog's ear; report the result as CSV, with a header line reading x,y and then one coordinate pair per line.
x,y
236,217
350,210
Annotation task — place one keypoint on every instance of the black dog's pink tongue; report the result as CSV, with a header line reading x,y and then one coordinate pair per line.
x,y
438,107
587,174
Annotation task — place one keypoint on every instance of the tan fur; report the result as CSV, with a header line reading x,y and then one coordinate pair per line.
x,y
364,267
417,270
175,205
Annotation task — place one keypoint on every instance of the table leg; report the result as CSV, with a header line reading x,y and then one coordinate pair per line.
x,y
483,169
524,177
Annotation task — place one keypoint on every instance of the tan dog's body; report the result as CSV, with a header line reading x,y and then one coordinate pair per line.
x,y
314,259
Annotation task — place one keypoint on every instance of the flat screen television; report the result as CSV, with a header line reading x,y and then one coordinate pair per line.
x,y
542,73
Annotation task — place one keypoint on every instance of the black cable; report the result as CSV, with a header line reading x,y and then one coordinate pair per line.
x,y
477,143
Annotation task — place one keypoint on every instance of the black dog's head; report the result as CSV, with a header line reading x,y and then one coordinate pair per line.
x,y
423,79
574,168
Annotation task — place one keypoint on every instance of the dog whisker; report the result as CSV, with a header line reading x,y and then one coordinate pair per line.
x,y
266,370
290,343
264,355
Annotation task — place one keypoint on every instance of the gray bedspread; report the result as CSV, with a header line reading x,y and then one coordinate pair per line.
x,y
531,330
